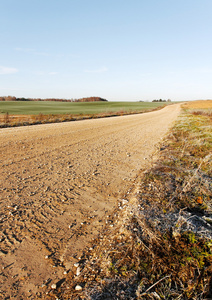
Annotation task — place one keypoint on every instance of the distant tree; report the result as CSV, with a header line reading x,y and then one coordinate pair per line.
x,y
90,99
86,99
160,100
10,98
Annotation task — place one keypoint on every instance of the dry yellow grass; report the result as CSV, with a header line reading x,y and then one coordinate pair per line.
x,y
198,104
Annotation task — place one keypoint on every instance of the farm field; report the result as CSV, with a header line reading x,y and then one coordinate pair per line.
x,y
199,104
74,108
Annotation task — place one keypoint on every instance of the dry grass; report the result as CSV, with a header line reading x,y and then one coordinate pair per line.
x,y
199,107
158,244
202,104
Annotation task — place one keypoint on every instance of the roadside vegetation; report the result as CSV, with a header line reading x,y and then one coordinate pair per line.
x,y
20,113
158,243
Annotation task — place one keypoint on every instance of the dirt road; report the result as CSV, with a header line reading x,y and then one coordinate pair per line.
x,y
58,184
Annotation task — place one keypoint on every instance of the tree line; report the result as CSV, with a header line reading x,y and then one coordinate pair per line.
x,y
86,99
161,100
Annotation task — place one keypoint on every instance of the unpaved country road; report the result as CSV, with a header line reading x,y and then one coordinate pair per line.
x,y
58,183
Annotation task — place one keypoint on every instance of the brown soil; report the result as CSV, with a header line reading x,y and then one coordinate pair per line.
x,y
58,183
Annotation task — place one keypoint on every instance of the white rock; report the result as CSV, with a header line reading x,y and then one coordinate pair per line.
x,y
78,288
76,265
124,201
78,271
53,286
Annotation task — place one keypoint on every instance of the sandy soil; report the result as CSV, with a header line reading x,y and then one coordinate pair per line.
x,y
58,183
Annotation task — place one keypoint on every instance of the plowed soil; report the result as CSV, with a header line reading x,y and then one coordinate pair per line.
x,y
58,183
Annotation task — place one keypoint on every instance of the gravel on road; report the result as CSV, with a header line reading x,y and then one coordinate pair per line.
x,y
58,184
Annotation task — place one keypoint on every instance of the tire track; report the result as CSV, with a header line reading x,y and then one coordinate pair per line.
x,y
58,185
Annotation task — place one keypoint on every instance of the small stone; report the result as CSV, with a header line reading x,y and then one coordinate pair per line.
x,y
78,288
53,286
124,201
78,271
76,265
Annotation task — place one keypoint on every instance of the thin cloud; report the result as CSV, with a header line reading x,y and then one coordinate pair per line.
x,y
39,73
43,53
7,70
26,50
101,70
193,71
32,51
44,73
146,74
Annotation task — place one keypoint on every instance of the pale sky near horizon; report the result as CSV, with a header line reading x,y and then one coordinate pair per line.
x,y
121,50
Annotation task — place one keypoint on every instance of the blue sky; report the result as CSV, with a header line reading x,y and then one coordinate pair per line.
x,y
121,50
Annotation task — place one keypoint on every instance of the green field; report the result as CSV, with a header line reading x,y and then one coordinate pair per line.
x,y
74,108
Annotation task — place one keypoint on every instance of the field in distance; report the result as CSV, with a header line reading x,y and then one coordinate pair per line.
x,y
19,113
74,108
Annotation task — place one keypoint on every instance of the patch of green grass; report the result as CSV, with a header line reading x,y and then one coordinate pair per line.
x,y
74,108
29,113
